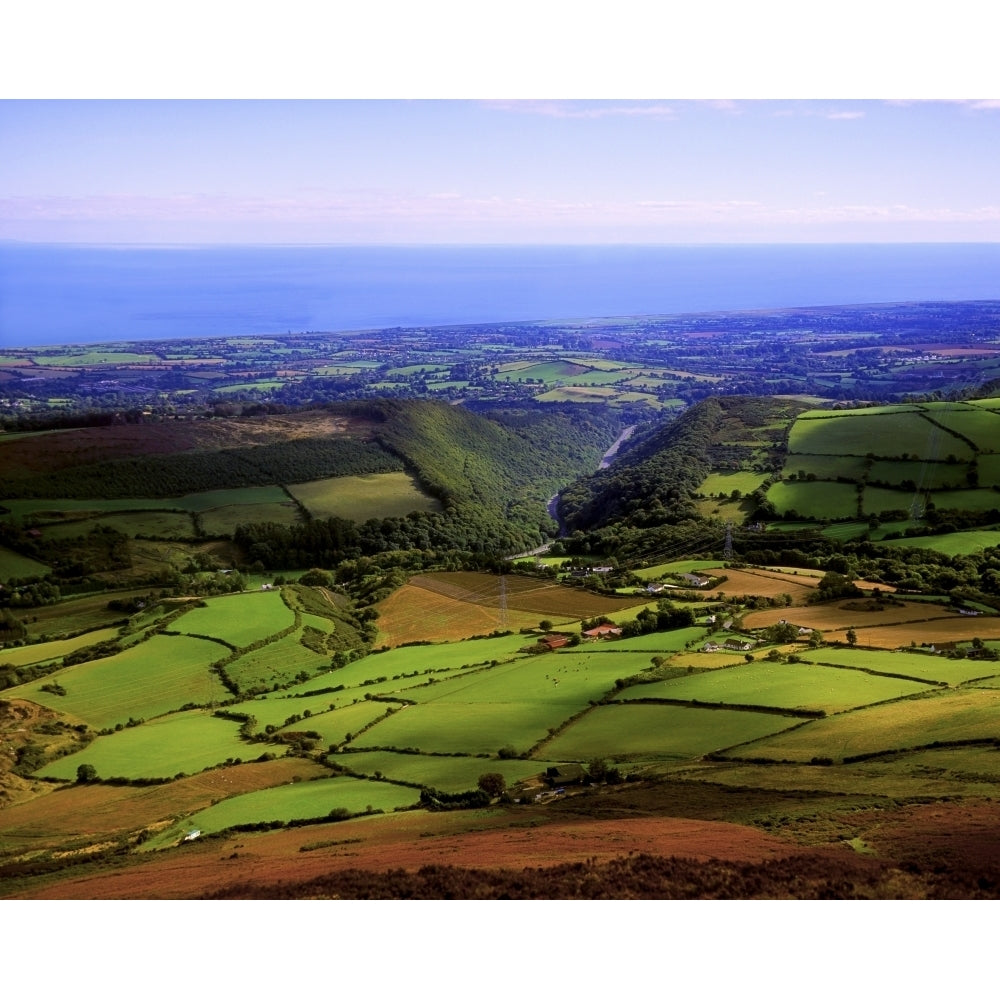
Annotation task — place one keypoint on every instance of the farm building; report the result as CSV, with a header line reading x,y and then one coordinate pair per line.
x,y
579,574
602,631
554,641
565,774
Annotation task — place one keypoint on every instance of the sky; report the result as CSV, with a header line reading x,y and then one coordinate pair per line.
x,y
422,150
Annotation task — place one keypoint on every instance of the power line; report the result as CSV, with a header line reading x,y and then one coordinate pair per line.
x,y
502,622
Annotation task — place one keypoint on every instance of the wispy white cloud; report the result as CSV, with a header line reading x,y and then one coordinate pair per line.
x,y
987,105
736,107
420,216
808,109
964,103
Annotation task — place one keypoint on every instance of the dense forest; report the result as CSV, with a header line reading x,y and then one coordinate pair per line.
x,y
652,480
492,477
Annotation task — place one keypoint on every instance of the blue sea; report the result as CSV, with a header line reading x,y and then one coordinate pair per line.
x,y
67,294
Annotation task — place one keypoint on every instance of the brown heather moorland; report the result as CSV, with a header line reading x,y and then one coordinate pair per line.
x,y
844,848
53,451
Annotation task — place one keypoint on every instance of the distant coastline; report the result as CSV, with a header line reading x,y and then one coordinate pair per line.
x,y
62,294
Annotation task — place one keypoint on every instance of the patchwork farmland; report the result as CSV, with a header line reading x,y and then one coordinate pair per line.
x,y
379,694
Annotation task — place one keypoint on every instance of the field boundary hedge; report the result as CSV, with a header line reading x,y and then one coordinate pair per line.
x,y
795,713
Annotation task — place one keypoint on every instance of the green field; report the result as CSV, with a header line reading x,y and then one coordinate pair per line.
x,y
225,519
914,722
146,680
186,742
989,470
315,696
620,377
94,358
979,425
915,774
277,663
844,532
886,434
658,732
299,800
249,499
42,652
455,727
863,411
52,510
600,394
780,685
434,656
956,543
548,372
150,523
877,500
818,500
264,385
658,642
15,566
403,669
238,619
726,482
981,499
924,666
850,467
925,475
565,681
335,726
78,614
358,498
275,710
447,774
680,566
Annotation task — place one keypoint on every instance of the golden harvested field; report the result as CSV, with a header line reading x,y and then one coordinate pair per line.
x,y
525,593
806,578
414,614
842,616
912,722
936,632
766,583
451,606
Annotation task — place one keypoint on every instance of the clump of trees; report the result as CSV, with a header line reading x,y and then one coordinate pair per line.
x,y
493,783
665,618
